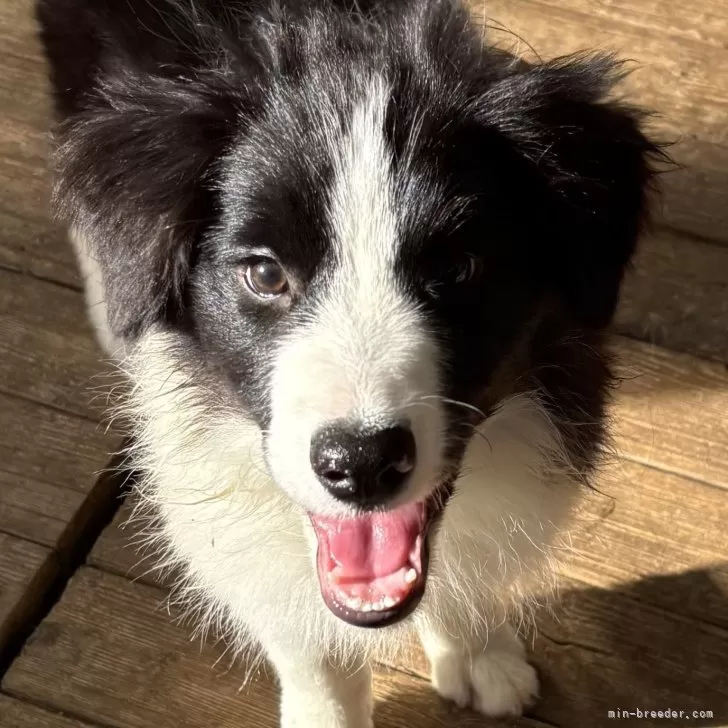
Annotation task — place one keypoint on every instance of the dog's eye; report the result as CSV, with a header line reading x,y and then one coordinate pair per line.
x,y
465,270
468,269
265,278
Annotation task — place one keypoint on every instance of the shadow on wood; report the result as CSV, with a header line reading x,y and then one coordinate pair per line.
x,y
107,652
610,650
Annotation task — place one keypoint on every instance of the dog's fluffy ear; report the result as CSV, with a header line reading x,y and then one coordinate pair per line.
x,y
133,177
140,128
593,166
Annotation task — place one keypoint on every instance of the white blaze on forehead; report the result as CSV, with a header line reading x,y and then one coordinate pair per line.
x,y
380,334
366,354
362,205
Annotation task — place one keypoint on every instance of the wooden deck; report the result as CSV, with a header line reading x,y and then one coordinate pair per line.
x,y
643,618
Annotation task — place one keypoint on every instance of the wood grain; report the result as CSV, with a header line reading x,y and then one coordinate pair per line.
x,y
18,714
670,411
49,493
24,570
47,353
683,79
17,28
705,24
34,510
658,526
50,445
603,650
676,296
29,240
108,653
655,528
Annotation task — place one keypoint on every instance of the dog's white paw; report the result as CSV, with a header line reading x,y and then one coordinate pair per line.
x,y
503,684
496,682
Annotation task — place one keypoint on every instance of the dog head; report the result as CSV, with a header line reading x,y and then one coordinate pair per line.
x,y
367,227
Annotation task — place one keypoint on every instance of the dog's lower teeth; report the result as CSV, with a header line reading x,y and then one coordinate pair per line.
x,y
387,602
411,576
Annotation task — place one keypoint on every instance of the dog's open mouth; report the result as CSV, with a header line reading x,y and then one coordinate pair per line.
x,y
372,567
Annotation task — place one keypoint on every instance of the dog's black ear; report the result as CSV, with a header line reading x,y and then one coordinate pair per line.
x,y
592,165
133,179
140,128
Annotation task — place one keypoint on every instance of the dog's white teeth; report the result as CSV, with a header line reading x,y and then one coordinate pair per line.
x,y
360,605
411,576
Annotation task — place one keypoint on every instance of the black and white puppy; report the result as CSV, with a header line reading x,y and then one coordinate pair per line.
x,y
357,266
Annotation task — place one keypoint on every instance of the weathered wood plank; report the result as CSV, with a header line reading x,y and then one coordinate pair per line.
x,y
47,352
29,241
32,574
653,555
684,80
607,649
17,27
670,411
107,653
18,714
705,24
611,648
24,569
34,510
26,88
676,296
554,29
660,529
50,445
49,491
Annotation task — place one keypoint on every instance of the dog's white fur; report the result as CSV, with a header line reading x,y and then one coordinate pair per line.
x,y
95,295
246,552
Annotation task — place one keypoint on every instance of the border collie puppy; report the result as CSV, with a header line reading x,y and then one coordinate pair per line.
x,y
357,265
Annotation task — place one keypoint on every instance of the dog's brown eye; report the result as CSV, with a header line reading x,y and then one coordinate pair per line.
x,y
266,278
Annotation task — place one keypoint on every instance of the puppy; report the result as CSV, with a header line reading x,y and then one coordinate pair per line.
x,y
357,266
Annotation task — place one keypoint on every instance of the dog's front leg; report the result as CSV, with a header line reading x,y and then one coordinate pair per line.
x,y
490,674
315,694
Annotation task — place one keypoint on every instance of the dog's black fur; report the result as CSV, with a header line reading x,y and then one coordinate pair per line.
x,y
154,101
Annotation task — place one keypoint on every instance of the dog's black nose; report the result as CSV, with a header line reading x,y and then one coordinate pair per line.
x,y
363,466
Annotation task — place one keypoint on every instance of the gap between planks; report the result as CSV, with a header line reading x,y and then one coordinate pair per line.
x,y
55,566
19,713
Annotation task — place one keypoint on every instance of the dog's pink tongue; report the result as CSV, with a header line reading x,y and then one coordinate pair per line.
x,y
372,545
